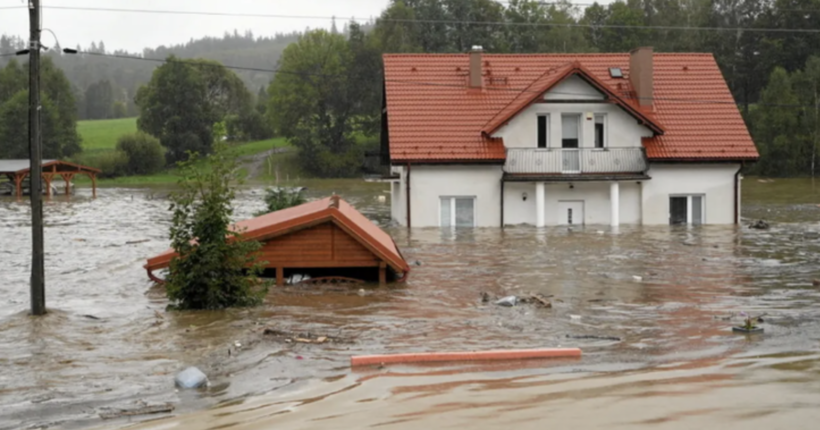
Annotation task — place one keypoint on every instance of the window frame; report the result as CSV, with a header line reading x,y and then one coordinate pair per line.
x,y
689,217
452,200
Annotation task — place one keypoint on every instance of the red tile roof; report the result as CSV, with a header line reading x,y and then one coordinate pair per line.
x,y
306,215
434,117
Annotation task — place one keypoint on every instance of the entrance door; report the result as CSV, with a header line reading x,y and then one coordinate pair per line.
x,y
571,212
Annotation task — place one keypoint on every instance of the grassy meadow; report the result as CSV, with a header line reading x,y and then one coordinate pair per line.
x,y
100,136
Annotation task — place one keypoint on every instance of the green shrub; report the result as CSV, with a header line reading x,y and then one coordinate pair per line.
x,y
214,268
144,153
112,163
282,198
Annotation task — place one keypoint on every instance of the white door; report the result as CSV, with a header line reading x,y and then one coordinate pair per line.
x,y
571,212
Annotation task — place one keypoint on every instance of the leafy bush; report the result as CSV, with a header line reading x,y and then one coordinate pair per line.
x,y
112,163
282,198
214,268
144,153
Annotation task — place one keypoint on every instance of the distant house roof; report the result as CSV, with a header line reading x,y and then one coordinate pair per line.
x,y
434,117
300,217
23,166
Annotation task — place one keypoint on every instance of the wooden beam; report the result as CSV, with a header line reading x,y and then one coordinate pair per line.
x,y
93,185
382,273
280,276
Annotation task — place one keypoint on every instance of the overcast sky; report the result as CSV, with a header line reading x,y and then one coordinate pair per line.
x,y
134,31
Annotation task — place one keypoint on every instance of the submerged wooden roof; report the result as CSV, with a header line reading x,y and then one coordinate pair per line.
x,y
23,166
307,215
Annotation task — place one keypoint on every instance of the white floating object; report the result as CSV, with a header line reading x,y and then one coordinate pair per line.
x,y
637,278
382,199
574,317
600,232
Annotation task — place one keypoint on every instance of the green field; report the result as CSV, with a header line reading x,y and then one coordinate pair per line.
x,y
101,135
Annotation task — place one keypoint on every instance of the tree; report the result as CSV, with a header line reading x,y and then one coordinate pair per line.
x,y
99,100
775,127
214,268
184,99
525,38
395,30
311,103
59,120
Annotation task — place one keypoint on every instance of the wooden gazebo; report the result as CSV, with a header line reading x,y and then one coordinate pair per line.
x,y
325,238
18,170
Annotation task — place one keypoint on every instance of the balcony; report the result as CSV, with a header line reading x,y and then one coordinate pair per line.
x,y
575,161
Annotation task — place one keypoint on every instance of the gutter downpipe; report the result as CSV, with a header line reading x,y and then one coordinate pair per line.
x,y
737,194
502,201
408,195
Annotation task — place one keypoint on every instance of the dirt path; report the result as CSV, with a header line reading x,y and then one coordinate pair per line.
x,y
256,163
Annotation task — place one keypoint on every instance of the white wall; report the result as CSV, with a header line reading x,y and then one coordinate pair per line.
x,y
715,181
594,194
622,130
429,183
573,88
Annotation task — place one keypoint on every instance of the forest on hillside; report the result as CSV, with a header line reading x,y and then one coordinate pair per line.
x,y
105,84
754,41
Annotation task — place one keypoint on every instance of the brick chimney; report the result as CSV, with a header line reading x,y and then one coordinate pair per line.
x,y
641,74
476,80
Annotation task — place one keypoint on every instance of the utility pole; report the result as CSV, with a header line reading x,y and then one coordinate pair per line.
x,y
38,287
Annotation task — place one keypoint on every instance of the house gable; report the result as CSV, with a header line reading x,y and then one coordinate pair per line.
x,y
320,245
574,88
553,77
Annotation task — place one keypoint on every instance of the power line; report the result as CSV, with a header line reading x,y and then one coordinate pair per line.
x,y
443,21
421,83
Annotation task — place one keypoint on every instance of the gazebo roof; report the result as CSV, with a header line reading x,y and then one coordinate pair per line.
x,y
23,166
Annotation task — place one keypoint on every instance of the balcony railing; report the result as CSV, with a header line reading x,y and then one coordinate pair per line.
x,y
575,161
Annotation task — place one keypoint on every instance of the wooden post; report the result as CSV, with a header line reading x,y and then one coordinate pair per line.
x,y
382,273
47,177
18,185
93,185
67,177
38,278
280,276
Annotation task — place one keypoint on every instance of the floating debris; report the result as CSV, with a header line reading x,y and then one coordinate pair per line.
x,y
191,378
290,337
146,410
508,301
759,225
593,337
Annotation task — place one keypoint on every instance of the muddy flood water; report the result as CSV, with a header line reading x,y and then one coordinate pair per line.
x,y
658,349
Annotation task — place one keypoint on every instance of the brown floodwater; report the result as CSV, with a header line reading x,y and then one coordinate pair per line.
x,y
108,344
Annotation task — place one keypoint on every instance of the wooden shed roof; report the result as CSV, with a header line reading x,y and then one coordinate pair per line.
x,y
22,166
293,219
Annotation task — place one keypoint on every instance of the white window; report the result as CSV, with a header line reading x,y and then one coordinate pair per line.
x,y
457,211
570,130
600,130
687,209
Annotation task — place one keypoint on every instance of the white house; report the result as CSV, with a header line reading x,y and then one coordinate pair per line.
x,y
489,140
